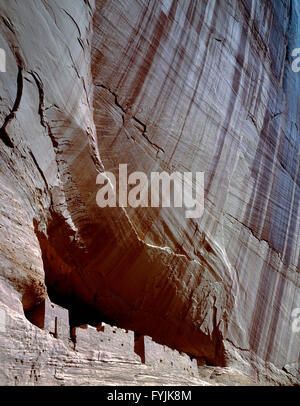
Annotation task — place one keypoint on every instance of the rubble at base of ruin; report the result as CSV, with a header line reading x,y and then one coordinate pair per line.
x,y
111,343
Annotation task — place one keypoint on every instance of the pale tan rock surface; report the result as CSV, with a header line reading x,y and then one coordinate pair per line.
x,y
176,86
31,356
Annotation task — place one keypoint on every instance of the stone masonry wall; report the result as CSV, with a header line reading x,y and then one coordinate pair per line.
x,y
111,342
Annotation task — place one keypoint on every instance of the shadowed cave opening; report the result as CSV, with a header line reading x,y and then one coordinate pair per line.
x,y
61,288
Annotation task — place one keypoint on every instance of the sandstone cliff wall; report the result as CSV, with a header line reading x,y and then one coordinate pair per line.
x,y
160,85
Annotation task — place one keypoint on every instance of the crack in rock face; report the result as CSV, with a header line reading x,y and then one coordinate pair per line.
x,y
3,133
165,86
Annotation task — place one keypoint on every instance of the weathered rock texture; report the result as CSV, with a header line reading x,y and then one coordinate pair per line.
x,y
161,85
31,356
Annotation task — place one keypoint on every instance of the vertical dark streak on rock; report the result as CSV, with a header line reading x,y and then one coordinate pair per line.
x,y
130,51
145,66
289,227
236,82
215,17
271,289
178,58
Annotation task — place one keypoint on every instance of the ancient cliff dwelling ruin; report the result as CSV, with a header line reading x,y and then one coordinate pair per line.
x,y
123,286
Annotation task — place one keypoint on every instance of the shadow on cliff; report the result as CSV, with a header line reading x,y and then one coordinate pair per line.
x,y
64,261
60,279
